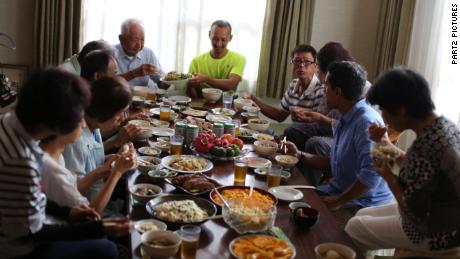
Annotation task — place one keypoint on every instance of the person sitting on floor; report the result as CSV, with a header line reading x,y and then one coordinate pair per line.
x,y
355,183
425,217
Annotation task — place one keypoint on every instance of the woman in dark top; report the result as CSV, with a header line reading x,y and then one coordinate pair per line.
x,y
427,189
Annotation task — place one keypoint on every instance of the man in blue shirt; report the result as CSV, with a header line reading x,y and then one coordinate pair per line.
x,y
136,63
355,181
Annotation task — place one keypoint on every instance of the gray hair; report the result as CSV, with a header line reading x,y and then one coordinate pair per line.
x,y
222,24
126,25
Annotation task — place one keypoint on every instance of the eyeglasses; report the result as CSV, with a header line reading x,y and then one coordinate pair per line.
x,y
299,62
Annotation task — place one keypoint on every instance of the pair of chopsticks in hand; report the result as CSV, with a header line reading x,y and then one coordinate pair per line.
x,y
283,146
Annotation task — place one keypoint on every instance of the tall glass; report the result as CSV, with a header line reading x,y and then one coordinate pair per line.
x,y
241,169
151,94
227,99
165,112
274,176
177,142
190,235
237,127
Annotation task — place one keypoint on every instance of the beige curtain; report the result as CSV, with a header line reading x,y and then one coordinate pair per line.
x,y
287,23
393,40
57,30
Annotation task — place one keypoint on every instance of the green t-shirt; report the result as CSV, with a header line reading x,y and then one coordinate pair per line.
x,y
232,63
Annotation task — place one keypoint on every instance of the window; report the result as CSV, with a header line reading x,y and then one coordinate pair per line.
x,y
177,30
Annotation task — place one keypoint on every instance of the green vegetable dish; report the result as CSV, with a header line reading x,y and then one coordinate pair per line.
x,y
173,76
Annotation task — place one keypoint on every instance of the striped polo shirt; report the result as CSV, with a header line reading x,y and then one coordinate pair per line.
x,y
310,98
22,204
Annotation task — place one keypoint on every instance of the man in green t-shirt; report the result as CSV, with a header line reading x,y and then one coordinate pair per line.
x,y
219,68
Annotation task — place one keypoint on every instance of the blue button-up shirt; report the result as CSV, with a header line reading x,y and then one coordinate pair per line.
x,y
85,155
127,63
351,158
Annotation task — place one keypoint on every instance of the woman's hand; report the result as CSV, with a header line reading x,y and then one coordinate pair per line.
x,y
377,133
83,212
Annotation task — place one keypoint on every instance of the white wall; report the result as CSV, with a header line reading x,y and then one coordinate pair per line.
x,y
17,20
353,23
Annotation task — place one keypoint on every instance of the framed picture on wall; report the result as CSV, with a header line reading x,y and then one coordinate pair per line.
x,y
16,74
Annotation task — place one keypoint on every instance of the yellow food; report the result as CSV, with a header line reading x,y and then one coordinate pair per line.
x,y
262,247
189,164
263,201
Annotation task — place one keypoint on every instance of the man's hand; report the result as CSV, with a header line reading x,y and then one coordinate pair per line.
x,y
290,149
305,115
332,202
146,70
83,212
197,79
117,227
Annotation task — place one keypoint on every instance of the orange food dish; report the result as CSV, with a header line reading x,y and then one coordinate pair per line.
x,y
262,246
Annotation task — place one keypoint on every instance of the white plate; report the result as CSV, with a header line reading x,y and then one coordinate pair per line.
x,y
166,161
218,118
262,136
160,225
285,193
258,162
179,99
162,132
248,135
230,246
223,111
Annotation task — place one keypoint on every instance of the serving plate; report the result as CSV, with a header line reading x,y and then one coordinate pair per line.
x,y
216,184
231,246
286,193
202,203
166,161
210,156
162,132
195,111
213,195
223,111
246,134
258,162
218,118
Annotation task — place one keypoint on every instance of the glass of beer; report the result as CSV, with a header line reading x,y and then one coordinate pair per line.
x,y
177,142
237,127
190,235
165,112
274,176
151,95
241,168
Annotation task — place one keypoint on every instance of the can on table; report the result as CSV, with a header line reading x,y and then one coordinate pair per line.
x,y
191,133
179,129
229,128
218,129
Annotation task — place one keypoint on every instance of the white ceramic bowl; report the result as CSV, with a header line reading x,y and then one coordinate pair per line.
x,y
265,147
325,250
149,151
160,251
260,125
147,225
145,168
212,95
141,191
240,102
286,160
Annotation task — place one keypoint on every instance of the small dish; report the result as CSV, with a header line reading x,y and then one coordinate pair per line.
x,y
305,216
258,162
181,100
262,136
143,192
298,204
146,225
334,250
161,173
149,151
168,243
162,132
285,193
152,163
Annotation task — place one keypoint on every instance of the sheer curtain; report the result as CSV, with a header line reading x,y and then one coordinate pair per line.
x,y
177,30
430,54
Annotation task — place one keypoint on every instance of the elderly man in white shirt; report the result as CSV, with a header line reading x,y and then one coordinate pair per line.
x,y
136,63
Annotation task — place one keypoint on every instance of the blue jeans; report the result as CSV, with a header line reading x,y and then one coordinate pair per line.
x,y
317,146
90,248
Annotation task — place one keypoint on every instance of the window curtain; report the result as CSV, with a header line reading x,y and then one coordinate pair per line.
x,y
57,30
430,54
395,25
286,24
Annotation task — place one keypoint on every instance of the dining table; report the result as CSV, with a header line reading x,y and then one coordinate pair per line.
x,y
216,235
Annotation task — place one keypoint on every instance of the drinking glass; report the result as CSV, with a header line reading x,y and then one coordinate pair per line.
x,y
274,176
240,170
190,235
165,112
177,142
227,99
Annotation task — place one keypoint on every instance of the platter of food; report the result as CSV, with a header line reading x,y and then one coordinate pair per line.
x,y
242,192
218,118
186,164
194,184
261,246
258,162
223,111
246,133
176,210
195,111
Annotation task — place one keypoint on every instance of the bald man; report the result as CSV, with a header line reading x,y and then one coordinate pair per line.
x,y
136,63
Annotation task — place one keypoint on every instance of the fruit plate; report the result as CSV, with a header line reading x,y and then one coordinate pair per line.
x,y
191,192
210,156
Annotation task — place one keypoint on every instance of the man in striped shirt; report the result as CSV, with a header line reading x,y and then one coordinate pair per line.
x,y
51,102
305,91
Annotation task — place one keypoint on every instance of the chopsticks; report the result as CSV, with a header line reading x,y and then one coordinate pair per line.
x,y
283,146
